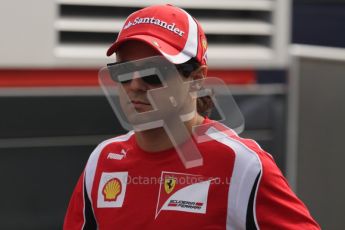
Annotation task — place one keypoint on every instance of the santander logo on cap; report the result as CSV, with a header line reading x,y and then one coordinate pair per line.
x,y
157,22
169,29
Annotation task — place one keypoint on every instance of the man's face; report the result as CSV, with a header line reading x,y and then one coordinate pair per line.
x,y
137,88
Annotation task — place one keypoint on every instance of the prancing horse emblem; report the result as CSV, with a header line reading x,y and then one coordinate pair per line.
x,y
169,184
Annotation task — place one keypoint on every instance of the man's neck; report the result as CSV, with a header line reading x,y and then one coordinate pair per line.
x,y
156,140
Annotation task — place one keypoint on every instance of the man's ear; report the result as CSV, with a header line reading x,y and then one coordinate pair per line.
x,y
198,76
200,73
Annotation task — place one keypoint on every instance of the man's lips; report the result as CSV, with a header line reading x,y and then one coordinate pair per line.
x,y
139,103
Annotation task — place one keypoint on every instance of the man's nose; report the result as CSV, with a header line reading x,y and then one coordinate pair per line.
x,y
137,82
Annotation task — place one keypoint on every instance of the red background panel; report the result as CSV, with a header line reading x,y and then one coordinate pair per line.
x,y
81,77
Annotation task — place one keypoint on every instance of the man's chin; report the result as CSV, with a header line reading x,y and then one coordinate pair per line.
x,y
142,108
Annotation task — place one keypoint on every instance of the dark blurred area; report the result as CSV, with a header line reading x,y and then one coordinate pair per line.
x,y
319,22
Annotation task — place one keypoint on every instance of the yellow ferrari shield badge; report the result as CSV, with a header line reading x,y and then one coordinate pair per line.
x,y
169,184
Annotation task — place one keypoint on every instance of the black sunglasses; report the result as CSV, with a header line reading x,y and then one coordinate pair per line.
x,y
185,69
152,79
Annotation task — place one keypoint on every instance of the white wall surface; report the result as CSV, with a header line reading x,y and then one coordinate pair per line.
x,y
27,33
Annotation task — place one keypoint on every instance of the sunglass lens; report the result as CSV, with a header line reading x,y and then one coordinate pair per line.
x,y
152,79
126,81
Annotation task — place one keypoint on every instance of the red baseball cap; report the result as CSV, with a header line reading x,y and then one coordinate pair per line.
x,y
169,29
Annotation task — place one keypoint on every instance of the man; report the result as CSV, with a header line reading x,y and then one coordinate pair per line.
x,y
138,181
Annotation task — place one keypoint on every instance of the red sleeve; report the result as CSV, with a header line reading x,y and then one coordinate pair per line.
x,y
79,213
277,207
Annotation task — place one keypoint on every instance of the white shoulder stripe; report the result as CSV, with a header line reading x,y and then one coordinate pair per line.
x,y
247,167
91,165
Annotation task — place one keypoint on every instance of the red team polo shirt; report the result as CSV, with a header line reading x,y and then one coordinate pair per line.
x,y
239,186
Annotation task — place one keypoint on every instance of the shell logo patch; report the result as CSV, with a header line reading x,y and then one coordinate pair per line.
x,y
112,189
